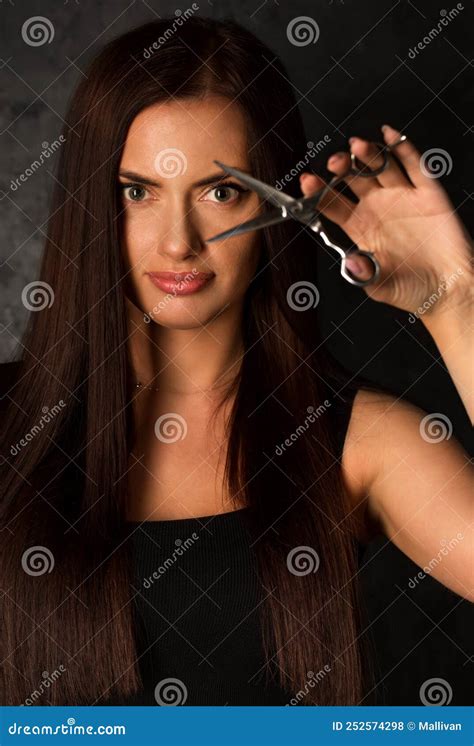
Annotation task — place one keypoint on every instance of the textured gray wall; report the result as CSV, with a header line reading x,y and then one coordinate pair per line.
x,y
358,75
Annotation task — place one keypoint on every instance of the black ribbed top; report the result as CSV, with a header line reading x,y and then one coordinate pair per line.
x,y
197,605
197,600
197,611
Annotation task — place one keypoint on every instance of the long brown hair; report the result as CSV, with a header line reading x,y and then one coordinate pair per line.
x,y
65,492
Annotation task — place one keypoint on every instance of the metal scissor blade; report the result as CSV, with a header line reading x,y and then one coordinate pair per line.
x,y
266,191
268,218
311,203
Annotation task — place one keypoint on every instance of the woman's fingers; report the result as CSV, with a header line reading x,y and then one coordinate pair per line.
x,y
338,207
333,205
339,163
408,155
369,154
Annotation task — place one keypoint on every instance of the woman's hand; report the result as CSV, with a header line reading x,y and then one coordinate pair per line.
x,y
410,225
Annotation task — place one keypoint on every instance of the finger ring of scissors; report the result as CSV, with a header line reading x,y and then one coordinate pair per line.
x,y
305,210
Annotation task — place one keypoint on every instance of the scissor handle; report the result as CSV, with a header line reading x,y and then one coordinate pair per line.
x,y
368,259
370,265
357,168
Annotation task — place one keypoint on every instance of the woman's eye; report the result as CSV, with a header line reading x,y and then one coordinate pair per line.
x,y
226,192
134,193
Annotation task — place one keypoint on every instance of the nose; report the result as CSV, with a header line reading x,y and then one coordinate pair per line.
x,y
180,237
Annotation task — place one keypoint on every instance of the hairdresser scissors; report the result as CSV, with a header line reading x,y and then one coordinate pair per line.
x,y
305,210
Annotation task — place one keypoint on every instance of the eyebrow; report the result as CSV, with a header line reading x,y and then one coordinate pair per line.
x,y
149,182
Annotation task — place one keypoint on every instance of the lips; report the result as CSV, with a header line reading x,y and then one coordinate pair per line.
x,y
180,283
181,276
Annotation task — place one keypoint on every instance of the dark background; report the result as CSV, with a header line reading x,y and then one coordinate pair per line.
x,y
357,76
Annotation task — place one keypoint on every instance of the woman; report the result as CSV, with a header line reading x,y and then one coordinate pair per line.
x,y
184,529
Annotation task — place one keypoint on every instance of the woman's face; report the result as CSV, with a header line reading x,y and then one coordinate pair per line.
x,y
168,212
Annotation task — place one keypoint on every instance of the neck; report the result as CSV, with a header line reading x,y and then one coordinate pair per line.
x,y
186,361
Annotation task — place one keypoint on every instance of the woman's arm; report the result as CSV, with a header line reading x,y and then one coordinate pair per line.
x,y
416,482
403,465
452,331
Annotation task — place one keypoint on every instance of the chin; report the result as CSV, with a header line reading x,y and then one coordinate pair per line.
x,y
184,319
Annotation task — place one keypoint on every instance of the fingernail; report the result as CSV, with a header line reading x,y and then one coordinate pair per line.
x,y
355,265
353,140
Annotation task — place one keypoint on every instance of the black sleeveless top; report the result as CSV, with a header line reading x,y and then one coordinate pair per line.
x,y
196,604
197,609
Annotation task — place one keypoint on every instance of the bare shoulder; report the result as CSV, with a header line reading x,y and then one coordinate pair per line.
x,y
409,478
382,425
376,418
361,445
378,422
